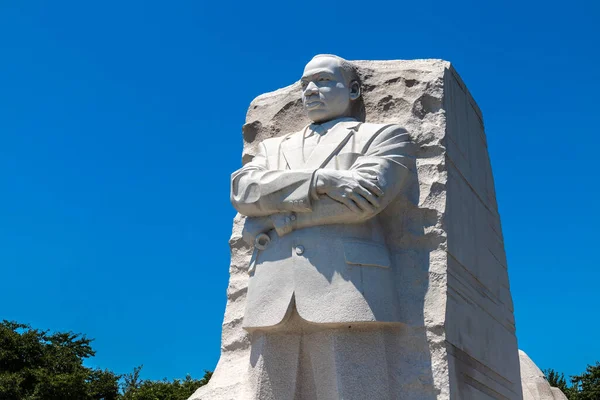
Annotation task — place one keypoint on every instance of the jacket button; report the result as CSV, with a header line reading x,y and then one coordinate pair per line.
x,y
299,250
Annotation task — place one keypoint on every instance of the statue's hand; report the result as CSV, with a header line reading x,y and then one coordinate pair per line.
x,y
255,226
357,191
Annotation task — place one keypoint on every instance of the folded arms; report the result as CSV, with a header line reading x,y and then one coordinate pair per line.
x,y
294,199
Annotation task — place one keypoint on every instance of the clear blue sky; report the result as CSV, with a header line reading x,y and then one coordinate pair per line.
x,y
120,123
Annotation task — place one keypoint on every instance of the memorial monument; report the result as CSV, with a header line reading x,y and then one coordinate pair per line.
x,y
367,255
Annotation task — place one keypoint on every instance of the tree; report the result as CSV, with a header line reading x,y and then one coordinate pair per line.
x,y
37,365
135,388
556,379
587,385
583,387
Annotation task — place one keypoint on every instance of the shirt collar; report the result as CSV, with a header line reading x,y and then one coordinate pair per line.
x,y
321,129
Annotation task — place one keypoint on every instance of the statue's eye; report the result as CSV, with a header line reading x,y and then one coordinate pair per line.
x,y
323,79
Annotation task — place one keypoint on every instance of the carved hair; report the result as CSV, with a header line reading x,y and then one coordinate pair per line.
x,y
349,70
350,73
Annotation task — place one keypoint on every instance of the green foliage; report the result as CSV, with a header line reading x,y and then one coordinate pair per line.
x,y
587,385
583,387
556,379
136,389
39,365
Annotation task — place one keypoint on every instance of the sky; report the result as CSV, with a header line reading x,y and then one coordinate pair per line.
x,y
120,124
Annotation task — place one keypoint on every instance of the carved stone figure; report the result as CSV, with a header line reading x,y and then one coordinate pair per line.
x,y
317,193
323,274
367,258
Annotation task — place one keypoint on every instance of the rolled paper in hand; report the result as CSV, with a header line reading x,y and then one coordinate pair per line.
x,y
262,241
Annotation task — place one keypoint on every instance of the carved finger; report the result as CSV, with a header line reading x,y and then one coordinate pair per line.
x,y
345,201
362,203
368,196
350,204
369,185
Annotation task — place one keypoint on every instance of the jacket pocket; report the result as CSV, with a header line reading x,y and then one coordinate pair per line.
x,y
359,252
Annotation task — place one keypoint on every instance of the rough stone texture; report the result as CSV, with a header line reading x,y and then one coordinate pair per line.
x,y
535,386
458,341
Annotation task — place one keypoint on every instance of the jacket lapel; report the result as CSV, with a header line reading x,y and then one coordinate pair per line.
x,y
330,144
291,147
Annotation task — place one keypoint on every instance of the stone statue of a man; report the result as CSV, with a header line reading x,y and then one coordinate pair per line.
x,y
321,288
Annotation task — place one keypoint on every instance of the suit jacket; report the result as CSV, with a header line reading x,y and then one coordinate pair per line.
x,y
335,263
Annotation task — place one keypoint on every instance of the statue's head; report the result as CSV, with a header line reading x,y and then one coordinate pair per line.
x,y
330,88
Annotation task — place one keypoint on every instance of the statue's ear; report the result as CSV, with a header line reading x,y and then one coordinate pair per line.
x,y
354,90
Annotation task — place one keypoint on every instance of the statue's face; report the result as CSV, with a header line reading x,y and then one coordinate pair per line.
x,y
325,93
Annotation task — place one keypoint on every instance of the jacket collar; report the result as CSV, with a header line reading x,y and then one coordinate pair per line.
x,y
323,128
338,131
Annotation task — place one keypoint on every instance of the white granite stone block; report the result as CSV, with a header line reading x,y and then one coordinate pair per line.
x,y
457,339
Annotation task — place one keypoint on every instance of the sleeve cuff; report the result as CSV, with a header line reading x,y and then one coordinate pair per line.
x,y
313,186
283,223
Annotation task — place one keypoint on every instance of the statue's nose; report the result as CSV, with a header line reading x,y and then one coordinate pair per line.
x,y
311,88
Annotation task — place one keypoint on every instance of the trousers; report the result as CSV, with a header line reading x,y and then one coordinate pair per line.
x,y
299,360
